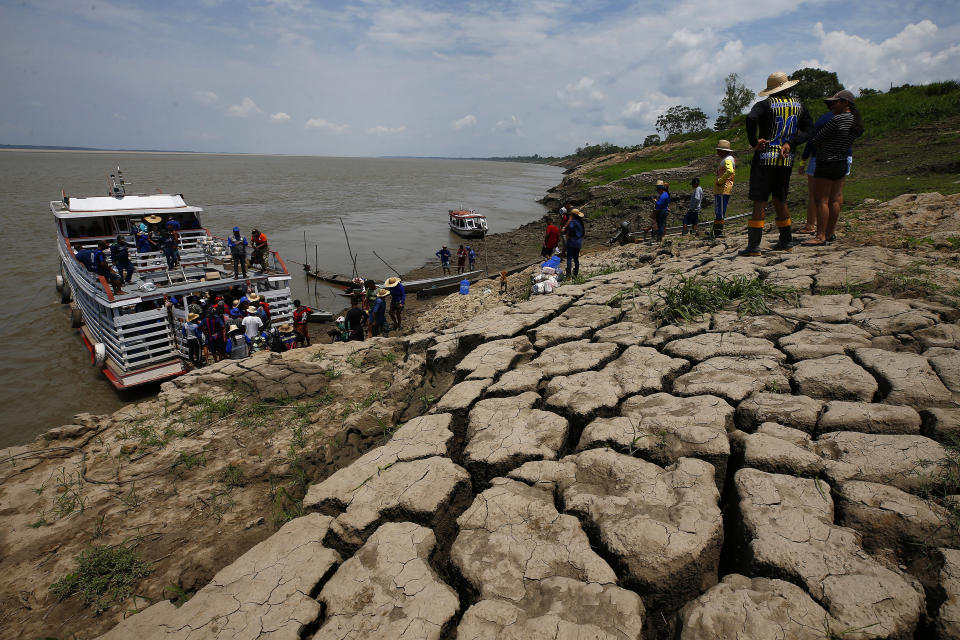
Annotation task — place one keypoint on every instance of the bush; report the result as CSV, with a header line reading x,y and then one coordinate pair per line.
x,y
104,576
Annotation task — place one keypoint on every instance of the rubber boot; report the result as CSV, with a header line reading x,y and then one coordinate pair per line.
x,y
754,235
718,228
785,242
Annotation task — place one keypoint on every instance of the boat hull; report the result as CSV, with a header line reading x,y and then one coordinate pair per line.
x,y
468,233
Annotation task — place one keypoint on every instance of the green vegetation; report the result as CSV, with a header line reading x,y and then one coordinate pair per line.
x,y
103,577
694,296
232,476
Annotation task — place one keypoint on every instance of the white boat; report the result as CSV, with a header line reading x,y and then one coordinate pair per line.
x,y
134,336
468,223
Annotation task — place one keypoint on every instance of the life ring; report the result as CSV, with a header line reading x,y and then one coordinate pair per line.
x,y
76,318
99,354
65,293
59,282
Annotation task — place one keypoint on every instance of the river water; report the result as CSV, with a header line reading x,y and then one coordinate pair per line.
x,y
396,207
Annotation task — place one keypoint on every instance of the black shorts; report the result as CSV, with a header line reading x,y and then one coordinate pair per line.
x,y
396,306
831,170
546,252
768,180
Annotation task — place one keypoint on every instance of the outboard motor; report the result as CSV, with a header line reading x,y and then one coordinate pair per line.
x,y
622,236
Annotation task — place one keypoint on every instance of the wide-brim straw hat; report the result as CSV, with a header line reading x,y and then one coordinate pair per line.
x,y
192,316
660,183
843,94
723,145
152,219
391,282
253,297
777,82
382,293
577,213
285,328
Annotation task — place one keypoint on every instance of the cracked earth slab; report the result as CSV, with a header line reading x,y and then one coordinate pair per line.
x,y
888,317
777,449
388,591
663,525
492,358
818,340
907,378
948,618
512,538
835,377
560,360
732,378
788,528
574,323
264,594
710,345
741,607
796,412
869,418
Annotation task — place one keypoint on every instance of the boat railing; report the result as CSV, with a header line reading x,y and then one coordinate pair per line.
x,y
139,339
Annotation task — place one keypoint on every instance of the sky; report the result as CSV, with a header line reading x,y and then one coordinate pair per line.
x,y
427,78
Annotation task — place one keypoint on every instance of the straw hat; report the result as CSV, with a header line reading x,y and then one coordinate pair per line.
x,y
391,283
777,82
252,310
577,213
253,297
192,316
382,293
660,183
723,145
285,328
152,219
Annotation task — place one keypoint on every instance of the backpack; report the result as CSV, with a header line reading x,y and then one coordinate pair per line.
x,y
275,342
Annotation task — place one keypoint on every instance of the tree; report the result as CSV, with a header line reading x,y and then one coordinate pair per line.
x,y
866,91
736,98
815,84
681,119
651,140
722,122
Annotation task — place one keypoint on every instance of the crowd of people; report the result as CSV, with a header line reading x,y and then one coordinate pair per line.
x,y
776,127
367,316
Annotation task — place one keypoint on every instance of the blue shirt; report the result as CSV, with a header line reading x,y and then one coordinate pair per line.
x,y
444,255
398,294
119,253
663,202
87,258
378,312
574,233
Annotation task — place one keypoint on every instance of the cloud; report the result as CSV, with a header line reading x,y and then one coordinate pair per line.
x,y
206,97
642,114
324,125
246,108
582,94
381,130
466,122
280,116
510,125
919,53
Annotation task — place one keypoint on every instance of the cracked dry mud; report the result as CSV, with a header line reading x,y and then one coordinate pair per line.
x,y
592,475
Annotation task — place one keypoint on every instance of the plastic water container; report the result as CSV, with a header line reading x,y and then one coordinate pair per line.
x,y
464,287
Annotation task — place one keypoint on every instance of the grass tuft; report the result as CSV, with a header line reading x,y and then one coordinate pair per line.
x,y
694,296
103,577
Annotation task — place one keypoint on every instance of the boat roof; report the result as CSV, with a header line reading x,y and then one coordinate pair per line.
x,y
463,213
136,205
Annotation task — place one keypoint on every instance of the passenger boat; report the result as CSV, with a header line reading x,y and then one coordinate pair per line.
x,y
468,223
135,336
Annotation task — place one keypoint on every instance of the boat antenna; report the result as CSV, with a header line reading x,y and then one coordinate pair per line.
x,y
349,250
388,264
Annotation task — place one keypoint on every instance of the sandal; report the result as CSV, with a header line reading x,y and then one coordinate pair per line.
x,y
808,232
813,242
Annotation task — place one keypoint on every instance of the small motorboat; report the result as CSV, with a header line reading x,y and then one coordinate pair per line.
x,y
468,223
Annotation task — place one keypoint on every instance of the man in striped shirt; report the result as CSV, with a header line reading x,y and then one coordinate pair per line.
x,y
775,127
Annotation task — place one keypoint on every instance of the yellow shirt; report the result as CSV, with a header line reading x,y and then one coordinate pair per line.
x,y
726,171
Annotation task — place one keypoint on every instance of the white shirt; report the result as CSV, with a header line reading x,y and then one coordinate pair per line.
x,y
251,326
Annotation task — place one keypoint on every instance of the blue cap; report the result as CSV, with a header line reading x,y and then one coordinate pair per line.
x,y
236,229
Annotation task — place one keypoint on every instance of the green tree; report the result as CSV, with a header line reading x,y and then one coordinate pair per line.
x,y
736,98
651,140
866,91
815,84
681,119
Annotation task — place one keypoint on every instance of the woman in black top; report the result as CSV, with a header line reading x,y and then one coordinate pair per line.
x,y
832,142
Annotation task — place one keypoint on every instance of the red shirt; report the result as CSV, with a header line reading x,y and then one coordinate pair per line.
x,y
552,237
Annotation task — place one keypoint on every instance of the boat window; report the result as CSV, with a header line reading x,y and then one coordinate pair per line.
x,y
90,228
186,220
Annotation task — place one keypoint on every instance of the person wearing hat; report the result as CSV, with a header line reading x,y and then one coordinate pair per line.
x,y
238,251
723,185
288,336
252,323
193,336
833,142
260,249
398,298
661,208
444,255
692,217
378,313
356,319
238,344
574,242
301,318
775,127
170,243
471,257
213,329
120,256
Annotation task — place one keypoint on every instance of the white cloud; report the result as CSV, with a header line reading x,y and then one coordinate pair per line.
x,y
919,53
206,97
510,125
466,122
386,131
246,108
642,114
280,116
583,93
324,125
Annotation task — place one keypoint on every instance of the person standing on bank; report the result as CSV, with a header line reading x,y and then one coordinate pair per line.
x,y
471,257
723,185
692,217
301,318
833,142
661,208
238,251
398,298
574,242
461,259
550,239
775,127
444,255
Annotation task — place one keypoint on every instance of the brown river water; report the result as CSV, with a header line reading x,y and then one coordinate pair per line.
x,y
396,207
